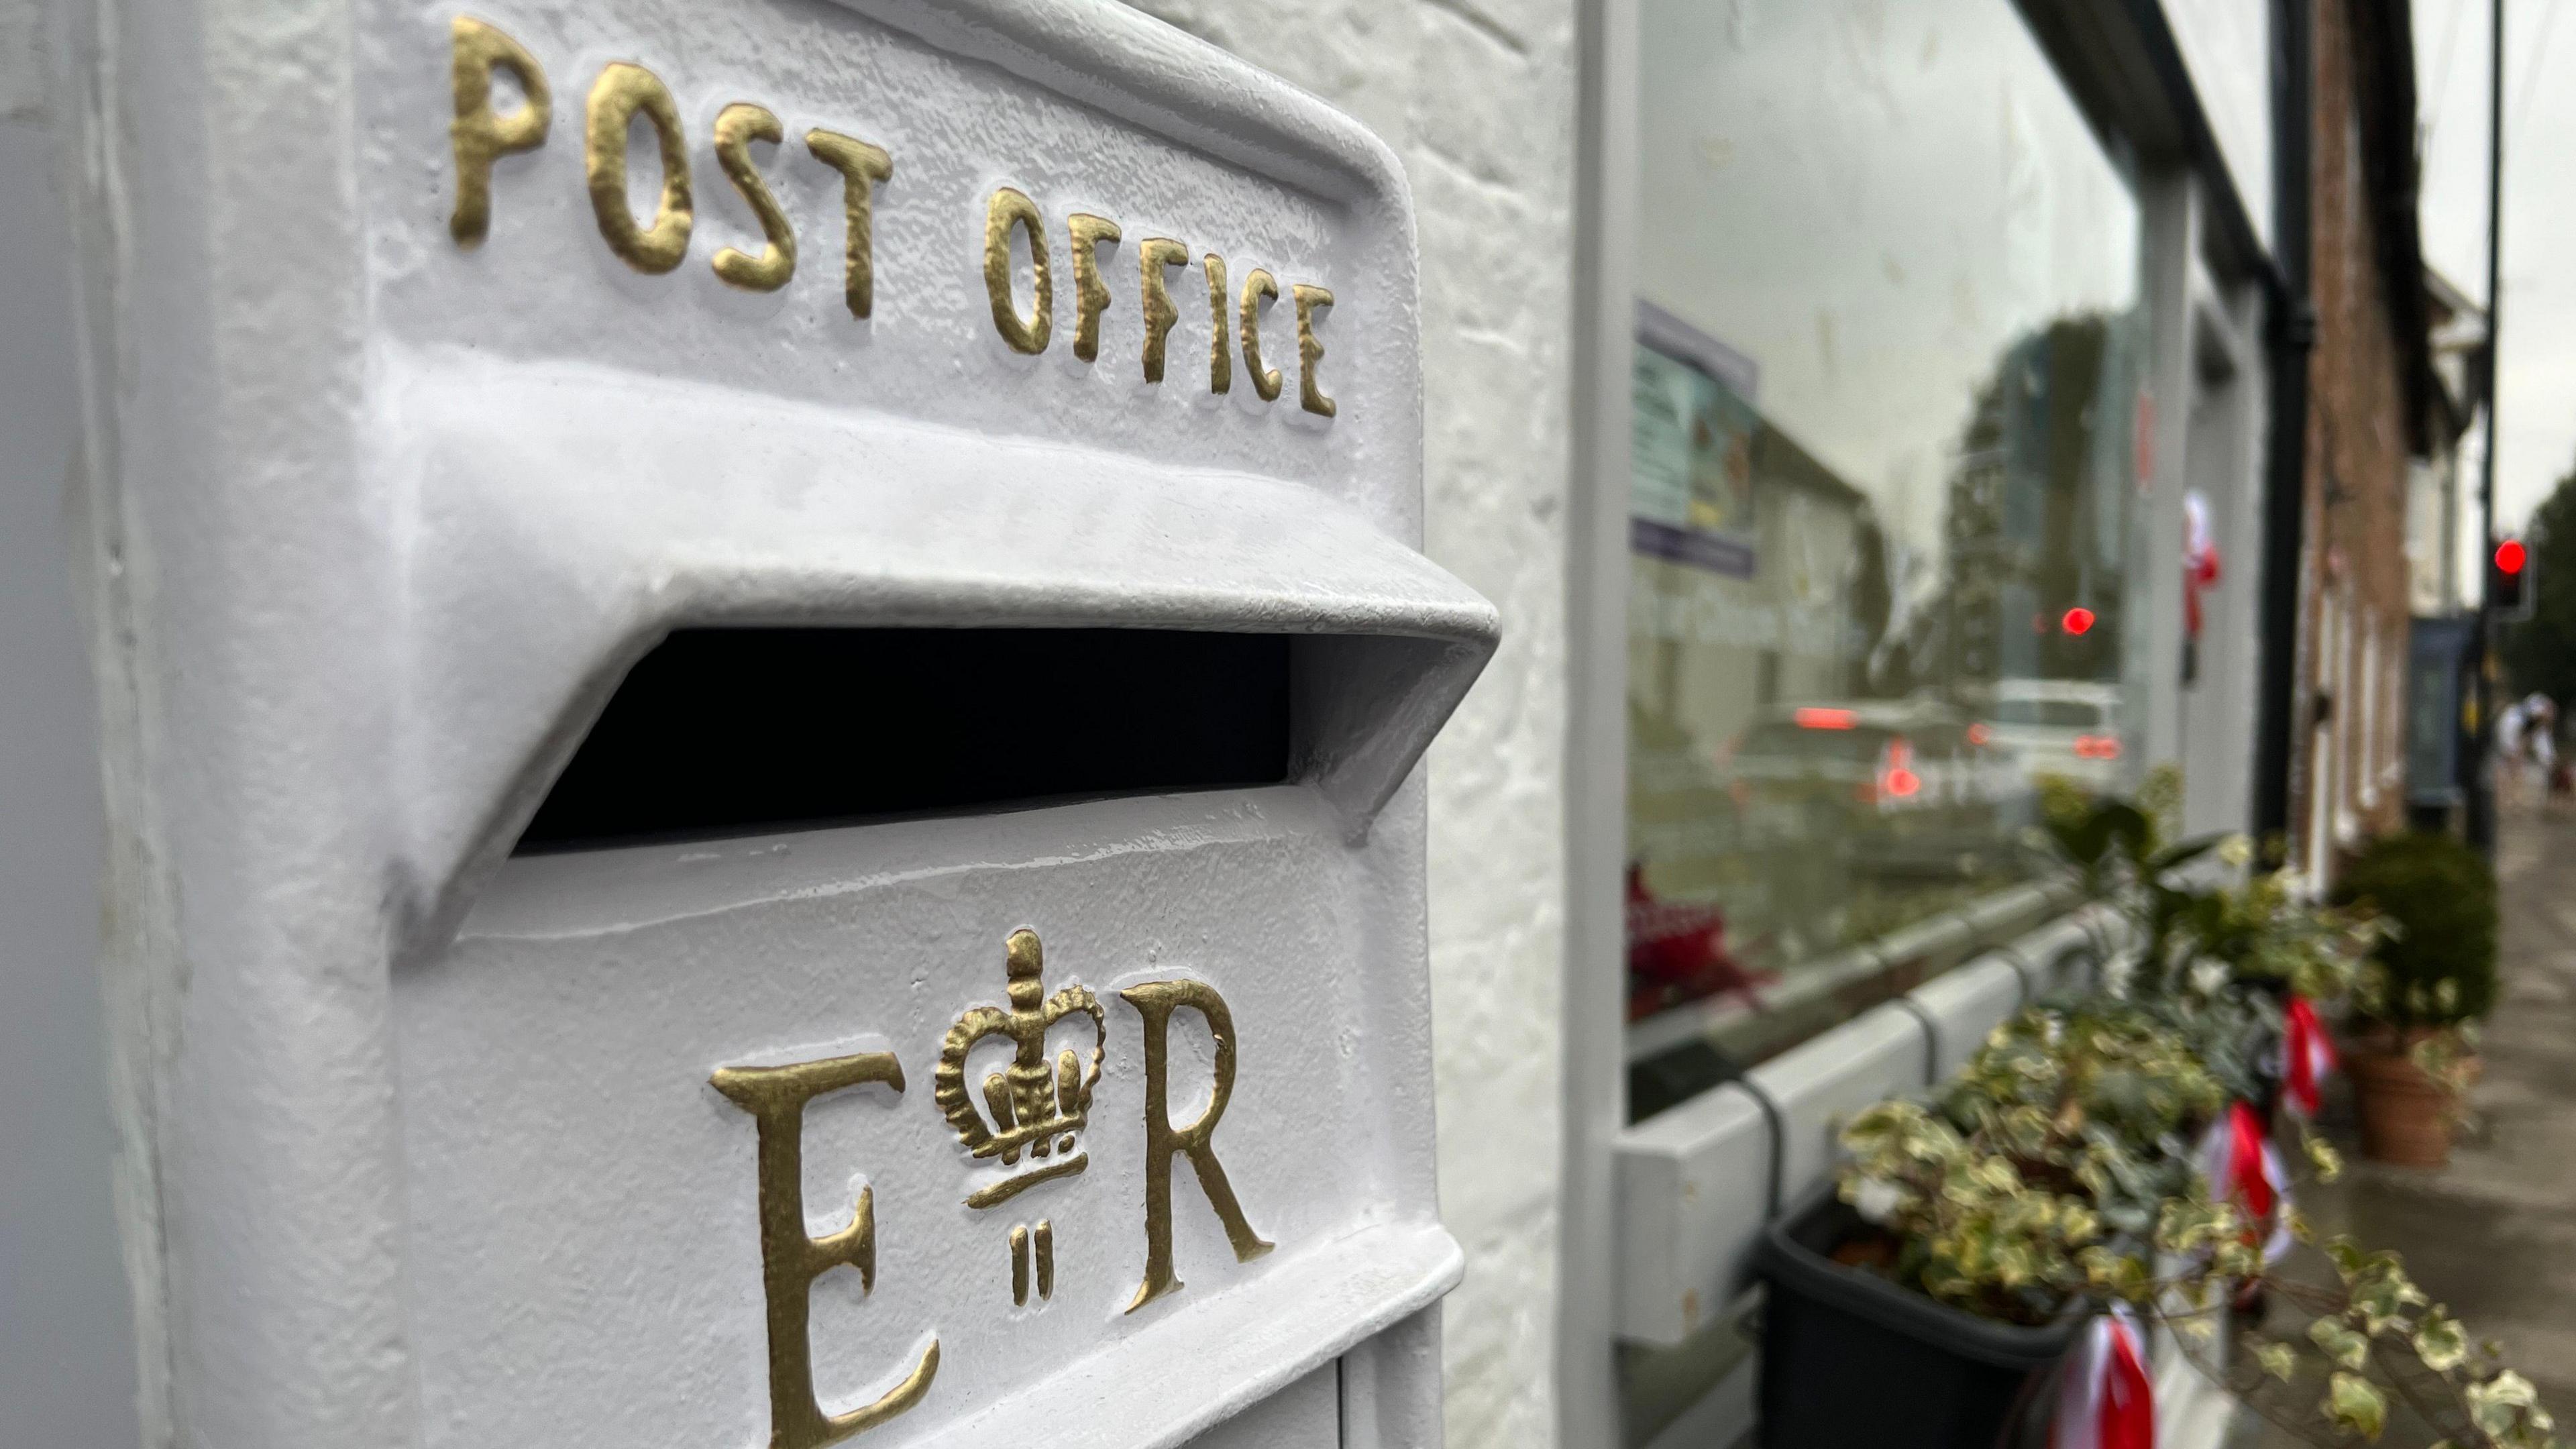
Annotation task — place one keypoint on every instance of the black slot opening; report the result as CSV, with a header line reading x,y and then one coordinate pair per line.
x,y
749,731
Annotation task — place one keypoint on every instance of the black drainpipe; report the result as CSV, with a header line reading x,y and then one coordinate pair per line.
x,y
2291,336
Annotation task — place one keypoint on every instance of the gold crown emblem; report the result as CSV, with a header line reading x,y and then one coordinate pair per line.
x,y
1036,1108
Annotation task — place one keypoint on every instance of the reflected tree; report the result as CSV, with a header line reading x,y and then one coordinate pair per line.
x,y
2036,522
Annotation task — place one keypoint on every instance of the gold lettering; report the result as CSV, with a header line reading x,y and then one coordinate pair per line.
x,y
1156,1001
1090,294
1265,383
1153,254
862,167
622,90
1008,208
480,135
790,1259
1310,352
1037,1108
1220,355
737,126
1023,1241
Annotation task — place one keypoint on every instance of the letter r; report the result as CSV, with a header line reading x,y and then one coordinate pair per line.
x,y
1156,1001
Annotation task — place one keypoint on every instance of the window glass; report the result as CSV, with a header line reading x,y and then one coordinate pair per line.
x,y
1886,385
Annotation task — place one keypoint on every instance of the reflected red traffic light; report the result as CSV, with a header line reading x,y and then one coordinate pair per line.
x,y
1896,777
2077,620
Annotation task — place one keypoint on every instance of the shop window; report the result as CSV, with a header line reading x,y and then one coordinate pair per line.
x,y
1887,383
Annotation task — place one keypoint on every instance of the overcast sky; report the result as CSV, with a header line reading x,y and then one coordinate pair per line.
x,y
2538,385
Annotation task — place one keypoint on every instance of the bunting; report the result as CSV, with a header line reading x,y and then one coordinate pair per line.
x,y
2105,1399
2307,1058
2243,1167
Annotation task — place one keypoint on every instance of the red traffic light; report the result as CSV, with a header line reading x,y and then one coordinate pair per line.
x,y
2513,577
2077,620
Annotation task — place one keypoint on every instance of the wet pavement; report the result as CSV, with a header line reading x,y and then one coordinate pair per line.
x,y
2494,1234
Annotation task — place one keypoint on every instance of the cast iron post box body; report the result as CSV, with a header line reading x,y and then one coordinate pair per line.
x,y
442,363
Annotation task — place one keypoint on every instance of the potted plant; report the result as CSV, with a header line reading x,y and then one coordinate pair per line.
x,y
1971,1237
2429,978
1938,1297
1935,1374
1989,1263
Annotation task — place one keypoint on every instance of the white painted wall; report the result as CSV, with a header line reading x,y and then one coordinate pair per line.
x,y
1477,98
2227,442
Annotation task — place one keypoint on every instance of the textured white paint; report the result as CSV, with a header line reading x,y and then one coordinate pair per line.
x,y
1304,1415
1477,98
377,524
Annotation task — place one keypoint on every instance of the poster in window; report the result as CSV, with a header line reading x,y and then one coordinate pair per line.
x,y
1692,448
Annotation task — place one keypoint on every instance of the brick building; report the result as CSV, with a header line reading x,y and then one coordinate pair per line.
x,y
2368,379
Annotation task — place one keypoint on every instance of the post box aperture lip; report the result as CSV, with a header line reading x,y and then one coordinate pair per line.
x,y
564,531
743,731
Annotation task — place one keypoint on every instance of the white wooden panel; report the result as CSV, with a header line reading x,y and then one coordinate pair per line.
x,y
1693,1183
1966,1004
1817,1086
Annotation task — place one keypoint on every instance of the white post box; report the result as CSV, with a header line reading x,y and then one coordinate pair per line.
x,y
762,672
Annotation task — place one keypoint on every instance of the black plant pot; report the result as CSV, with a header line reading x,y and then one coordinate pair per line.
x,y
1851,1360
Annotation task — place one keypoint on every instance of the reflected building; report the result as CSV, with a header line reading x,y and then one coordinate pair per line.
x,y
2037,513
1750,561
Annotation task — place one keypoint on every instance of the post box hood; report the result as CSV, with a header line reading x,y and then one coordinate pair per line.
x,y
569,517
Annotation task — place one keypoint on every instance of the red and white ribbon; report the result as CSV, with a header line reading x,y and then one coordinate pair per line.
x,y
2106,1400
2243,1167
2307,1057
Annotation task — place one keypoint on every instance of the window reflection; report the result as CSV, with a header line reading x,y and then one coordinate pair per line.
x,y
1885,396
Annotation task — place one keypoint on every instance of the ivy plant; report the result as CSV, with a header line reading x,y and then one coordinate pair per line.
x,y
2055,1175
